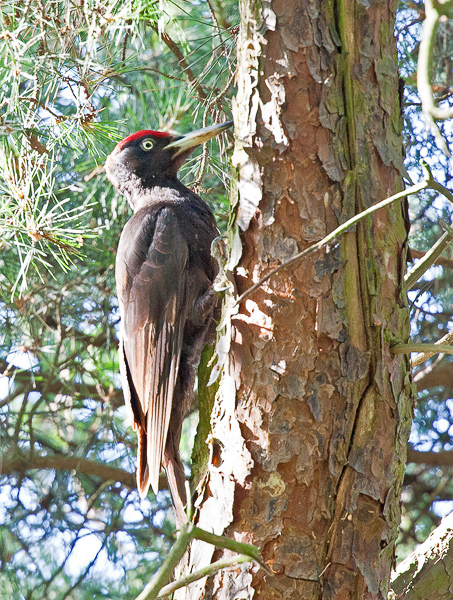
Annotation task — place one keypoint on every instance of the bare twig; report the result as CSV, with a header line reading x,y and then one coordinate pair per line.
x,y
441,260
414,189
225,542
214,20
428,182
211,569
427,350
178,550
420,358
205,154
174,48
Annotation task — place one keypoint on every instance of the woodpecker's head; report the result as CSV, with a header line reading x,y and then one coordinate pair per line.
x,y
148,158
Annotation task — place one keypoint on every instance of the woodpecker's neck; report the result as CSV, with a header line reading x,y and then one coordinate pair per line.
x,y
140,196
139,190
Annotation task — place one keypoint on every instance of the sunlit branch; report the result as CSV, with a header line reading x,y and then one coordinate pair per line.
x,y
442,261
427,350
428,182
433,10
207,571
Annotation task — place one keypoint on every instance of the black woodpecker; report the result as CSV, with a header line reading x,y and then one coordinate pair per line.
x,y
164,277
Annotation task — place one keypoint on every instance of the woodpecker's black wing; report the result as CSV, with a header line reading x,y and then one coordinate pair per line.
x,y
152,284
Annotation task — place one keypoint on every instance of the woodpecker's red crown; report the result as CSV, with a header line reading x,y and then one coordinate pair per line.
x,y
139,134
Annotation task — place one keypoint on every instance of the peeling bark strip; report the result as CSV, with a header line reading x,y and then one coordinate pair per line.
x,y
313,415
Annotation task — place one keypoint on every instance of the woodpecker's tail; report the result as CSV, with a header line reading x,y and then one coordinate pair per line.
x,y
176,482
143,480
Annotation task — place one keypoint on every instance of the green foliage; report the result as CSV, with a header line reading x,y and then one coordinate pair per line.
x,y
76,78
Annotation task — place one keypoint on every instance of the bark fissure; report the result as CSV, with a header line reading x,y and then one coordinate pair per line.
x,y
339,497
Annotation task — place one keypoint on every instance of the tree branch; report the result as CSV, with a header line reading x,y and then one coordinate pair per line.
x,y
429,458
27,462
428,259
434,375
441,260
223,563
428,571
174,48
46,383
425,350
414,189
246,553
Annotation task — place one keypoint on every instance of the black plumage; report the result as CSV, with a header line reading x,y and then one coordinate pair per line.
x,y
164,275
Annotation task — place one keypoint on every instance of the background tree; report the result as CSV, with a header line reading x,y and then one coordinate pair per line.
x,y
427,491
76,78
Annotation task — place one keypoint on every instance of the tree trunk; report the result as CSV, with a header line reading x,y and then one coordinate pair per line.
x,y
310,425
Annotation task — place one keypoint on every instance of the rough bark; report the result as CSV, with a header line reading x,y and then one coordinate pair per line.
x,y
310,425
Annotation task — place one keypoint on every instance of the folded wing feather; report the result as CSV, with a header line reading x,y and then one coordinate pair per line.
x,y
152,290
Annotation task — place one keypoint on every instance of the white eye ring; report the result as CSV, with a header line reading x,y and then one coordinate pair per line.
x,y
147,144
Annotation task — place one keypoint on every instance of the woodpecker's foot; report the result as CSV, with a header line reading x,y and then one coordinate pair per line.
x,y
203,306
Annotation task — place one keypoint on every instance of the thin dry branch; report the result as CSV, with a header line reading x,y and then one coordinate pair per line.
x,y
428,259
414,189
442,261
444,341
174,48
189,532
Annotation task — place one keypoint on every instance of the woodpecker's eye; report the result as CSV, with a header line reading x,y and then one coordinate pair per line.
x,y
147,144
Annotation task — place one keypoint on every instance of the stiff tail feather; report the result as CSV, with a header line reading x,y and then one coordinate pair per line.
x,y
176,482
175,477
143,480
